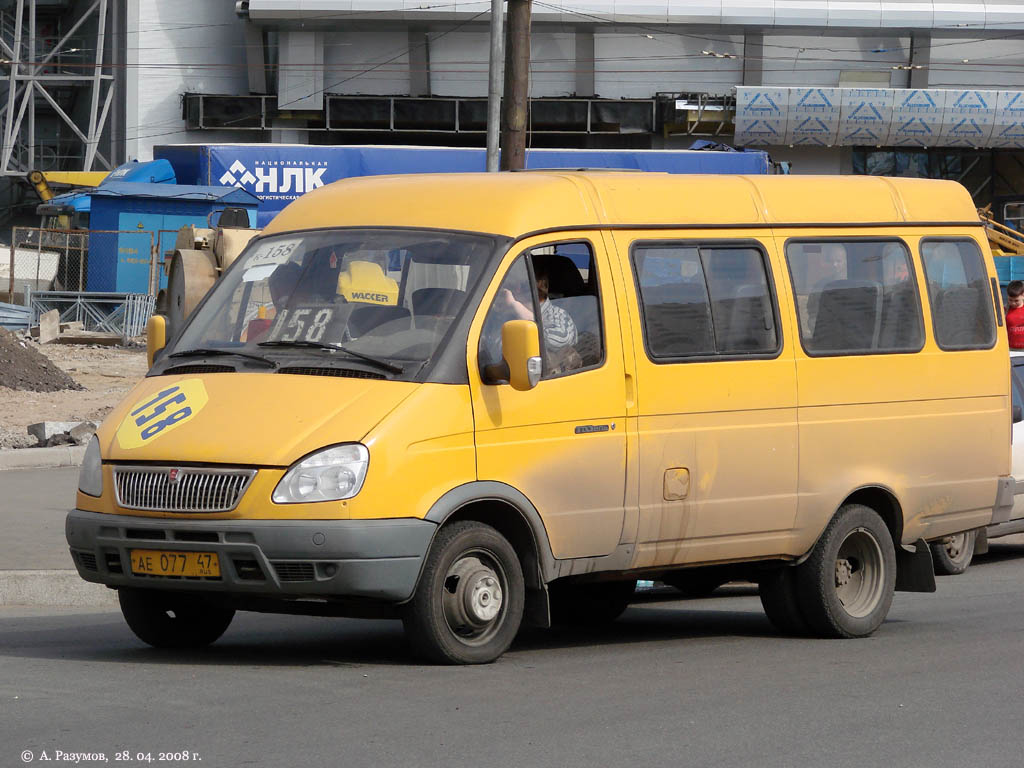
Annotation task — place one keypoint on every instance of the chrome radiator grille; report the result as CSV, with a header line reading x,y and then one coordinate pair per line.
x,y
181,489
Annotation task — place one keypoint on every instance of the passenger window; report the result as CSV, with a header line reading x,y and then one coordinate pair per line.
x,y
958,288
855,297
1015,390
565,289
704,300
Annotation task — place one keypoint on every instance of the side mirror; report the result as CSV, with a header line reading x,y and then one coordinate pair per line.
x,y
156,337
1018,414
520,345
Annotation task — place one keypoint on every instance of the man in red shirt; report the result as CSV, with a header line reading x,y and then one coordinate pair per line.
x,y
1015,313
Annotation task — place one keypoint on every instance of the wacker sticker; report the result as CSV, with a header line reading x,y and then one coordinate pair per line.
x,y
161,412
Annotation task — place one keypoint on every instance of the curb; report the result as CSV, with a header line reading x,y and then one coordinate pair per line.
x,y
37,458
64,587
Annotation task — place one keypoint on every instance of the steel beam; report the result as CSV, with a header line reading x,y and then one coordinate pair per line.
x,y
26,81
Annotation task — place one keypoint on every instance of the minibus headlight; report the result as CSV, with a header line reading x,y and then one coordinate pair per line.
x,y
90,476
331,474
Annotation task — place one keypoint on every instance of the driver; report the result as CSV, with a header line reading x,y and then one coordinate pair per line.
x,y
559,329
281,283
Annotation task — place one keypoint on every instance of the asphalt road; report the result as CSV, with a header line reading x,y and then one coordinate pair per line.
x,y
694,683
673,683
33,505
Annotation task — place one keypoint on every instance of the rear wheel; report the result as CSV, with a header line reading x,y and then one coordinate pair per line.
x,y
846,585
590,604
173,620
781,602
468,605
952,554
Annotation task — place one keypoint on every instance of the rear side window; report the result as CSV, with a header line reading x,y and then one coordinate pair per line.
x,y
958,289
855,297
704,299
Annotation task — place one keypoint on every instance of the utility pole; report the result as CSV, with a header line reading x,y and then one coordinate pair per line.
x,y
517,81
494,85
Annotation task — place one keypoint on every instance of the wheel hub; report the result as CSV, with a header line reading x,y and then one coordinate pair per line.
x,y
483,598
954,545
472,597
859,572
844,571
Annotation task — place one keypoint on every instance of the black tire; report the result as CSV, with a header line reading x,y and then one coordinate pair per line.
x,y
173,620
695,584
452,618
846,585
590,604
951,555
781,602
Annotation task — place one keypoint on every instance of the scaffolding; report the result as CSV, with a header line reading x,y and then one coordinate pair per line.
x,y
59,71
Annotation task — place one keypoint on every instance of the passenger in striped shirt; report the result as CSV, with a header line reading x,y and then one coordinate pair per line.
x,y
559,328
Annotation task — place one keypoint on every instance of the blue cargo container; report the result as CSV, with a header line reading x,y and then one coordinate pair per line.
x,y
279,173
120,262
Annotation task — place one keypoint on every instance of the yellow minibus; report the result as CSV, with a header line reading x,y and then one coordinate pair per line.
x,y
479,401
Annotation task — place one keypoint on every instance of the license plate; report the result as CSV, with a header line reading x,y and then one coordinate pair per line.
x,y
155,562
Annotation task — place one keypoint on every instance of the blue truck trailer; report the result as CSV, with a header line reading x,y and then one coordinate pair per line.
x,y
127,216
280,173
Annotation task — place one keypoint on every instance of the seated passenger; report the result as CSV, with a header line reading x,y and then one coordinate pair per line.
x,y
560,334
282,282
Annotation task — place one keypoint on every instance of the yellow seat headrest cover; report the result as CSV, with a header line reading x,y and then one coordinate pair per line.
x,y
364,282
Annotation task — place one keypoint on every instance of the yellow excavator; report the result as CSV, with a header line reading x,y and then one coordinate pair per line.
x,y
1003,240
41,183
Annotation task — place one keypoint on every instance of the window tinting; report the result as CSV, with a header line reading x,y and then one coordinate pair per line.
x,y
704,300
958,289
1016,389
855,297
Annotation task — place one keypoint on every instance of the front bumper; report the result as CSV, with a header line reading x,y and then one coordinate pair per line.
x,y
377,559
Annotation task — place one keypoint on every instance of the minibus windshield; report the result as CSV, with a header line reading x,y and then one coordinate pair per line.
x,y
374,298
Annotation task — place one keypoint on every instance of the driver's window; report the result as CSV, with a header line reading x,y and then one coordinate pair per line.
x,y
514,301
557,283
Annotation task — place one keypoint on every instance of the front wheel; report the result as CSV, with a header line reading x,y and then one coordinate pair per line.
x,y
952,554
469,603
846,585
173,620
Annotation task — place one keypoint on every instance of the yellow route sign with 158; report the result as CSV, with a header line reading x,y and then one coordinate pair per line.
x,y
161,412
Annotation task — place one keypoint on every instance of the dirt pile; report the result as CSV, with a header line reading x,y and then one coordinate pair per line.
x,y
22,367
106,373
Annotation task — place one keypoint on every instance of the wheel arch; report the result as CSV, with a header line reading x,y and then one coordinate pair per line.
x,y
510,513
883,501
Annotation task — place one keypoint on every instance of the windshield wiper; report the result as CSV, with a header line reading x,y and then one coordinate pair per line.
x,y
209,352
335,348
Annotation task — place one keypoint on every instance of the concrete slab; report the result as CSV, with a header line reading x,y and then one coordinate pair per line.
x,y
35,458
49,326
52,433
90,337
83,433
